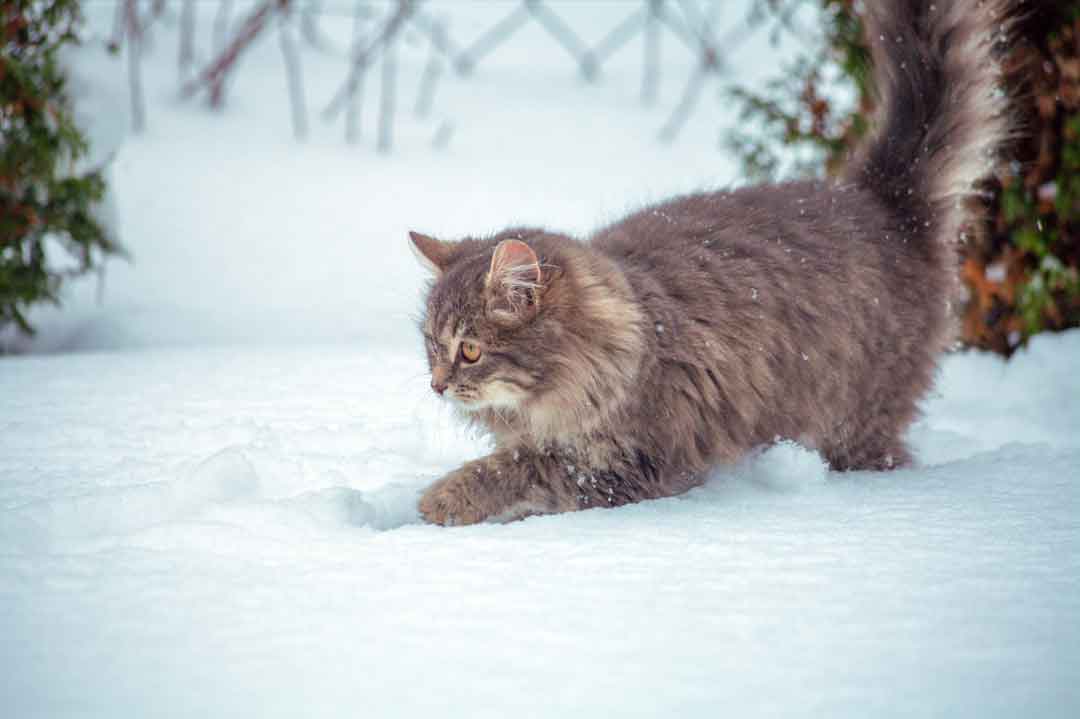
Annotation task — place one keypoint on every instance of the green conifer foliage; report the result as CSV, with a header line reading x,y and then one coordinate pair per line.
x,y
44,206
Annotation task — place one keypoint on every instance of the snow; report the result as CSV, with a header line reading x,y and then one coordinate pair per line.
x,y
214,532
208,481
784,466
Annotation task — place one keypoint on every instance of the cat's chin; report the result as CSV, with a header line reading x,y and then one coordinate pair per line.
x,y
468,406
478,405
464,406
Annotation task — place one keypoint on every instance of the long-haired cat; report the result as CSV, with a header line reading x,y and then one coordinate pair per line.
x,y
624,367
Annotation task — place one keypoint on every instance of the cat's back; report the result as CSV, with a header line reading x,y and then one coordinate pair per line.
x,y
811,216
799,300
812,242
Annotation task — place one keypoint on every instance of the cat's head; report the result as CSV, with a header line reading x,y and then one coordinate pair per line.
x,y
482,326
529,328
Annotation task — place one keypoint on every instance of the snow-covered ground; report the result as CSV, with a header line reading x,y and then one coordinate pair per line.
x,y
233,532
208,481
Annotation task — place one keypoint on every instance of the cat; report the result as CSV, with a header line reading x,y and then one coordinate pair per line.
x,y
626,366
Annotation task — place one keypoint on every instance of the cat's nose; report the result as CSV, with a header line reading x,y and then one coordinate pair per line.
x,y
438,379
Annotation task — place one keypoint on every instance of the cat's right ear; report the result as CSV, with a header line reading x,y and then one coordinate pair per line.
x,y
431,253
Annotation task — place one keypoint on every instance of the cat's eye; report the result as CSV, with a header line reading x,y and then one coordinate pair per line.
x,y
470,351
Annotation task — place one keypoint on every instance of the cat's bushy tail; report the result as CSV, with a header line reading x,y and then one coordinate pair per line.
x,y
941,118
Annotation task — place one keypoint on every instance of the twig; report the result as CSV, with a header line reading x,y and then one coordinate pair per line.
x,y
361,61
214,74
686,105
133,32
221,25
710,64
436,32
650,71
294,75
620,35
564,35
386,103
491,39
352,109
677,28
116,37
99,294
187,38
155,12
310,32
442,135
425,96
704,28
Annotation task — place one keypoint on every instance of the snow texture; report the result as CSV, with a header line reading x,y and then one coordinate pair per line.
x,y
226,532
208,492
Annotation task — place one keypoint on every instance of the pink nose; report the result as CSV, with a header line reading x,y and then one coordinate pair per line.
x,y
438,386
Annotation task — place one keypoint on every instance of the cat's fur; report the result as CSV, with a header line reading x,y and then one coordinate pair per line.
x,y
625,367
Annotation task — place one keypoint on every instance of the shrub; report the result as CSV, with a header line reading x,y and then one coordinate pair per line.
x,y
1021,265
45,208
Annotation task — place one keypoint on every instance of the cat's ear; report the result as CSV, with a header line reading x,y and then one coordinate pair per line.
x,y
513,282
433,254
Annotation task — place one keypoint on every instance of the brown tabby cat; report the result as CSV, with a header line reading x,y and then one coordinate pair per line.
x,y
625,367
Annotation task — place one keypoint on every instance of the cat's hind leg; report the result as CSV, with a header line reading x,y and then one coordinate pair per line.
x,y
876,455
877,446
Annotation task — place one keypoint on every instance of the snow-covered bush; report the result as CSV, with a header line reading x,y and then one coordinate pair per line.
x,y
48,229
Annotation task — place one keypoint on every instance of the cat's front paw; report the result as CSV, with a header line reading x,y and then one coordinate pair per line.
x,y
456,499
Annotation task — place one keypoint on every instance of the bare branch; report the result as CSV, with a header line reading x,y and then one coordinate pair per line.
x,y
133,33
213,76
294,75
155,12
116,36
442,135
620,35
221,25
564,35
425,96
187,38
491,39
650,73
360,62
389,93
352,108
686,105
435,29
711,63
310,31
676,26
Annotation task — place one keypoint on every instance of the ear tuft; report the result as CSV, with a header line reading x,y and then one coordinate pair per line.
x,y
433,254
513,280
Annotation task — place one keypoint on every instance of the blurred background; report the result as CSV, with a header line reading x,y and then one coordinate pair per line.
x,y
182,172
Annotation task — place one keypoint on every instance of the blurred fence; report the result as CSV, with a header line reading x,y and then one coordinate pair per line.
x,y
378,28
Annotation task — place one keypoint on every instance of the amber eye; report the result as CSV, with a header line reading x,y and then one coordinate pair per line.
x,y
470,352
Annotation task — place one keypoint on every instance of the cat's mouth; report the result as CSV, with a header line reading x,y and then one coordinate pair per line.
x,y
470,402
464,400
465,403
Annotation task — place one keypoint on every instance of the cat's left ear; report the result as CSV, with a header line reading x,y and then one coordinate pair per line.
x,y
513,282
433,254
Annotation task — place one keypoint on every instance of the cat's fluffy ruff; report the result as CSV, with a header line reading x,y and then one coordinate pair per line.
x,y
690,332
